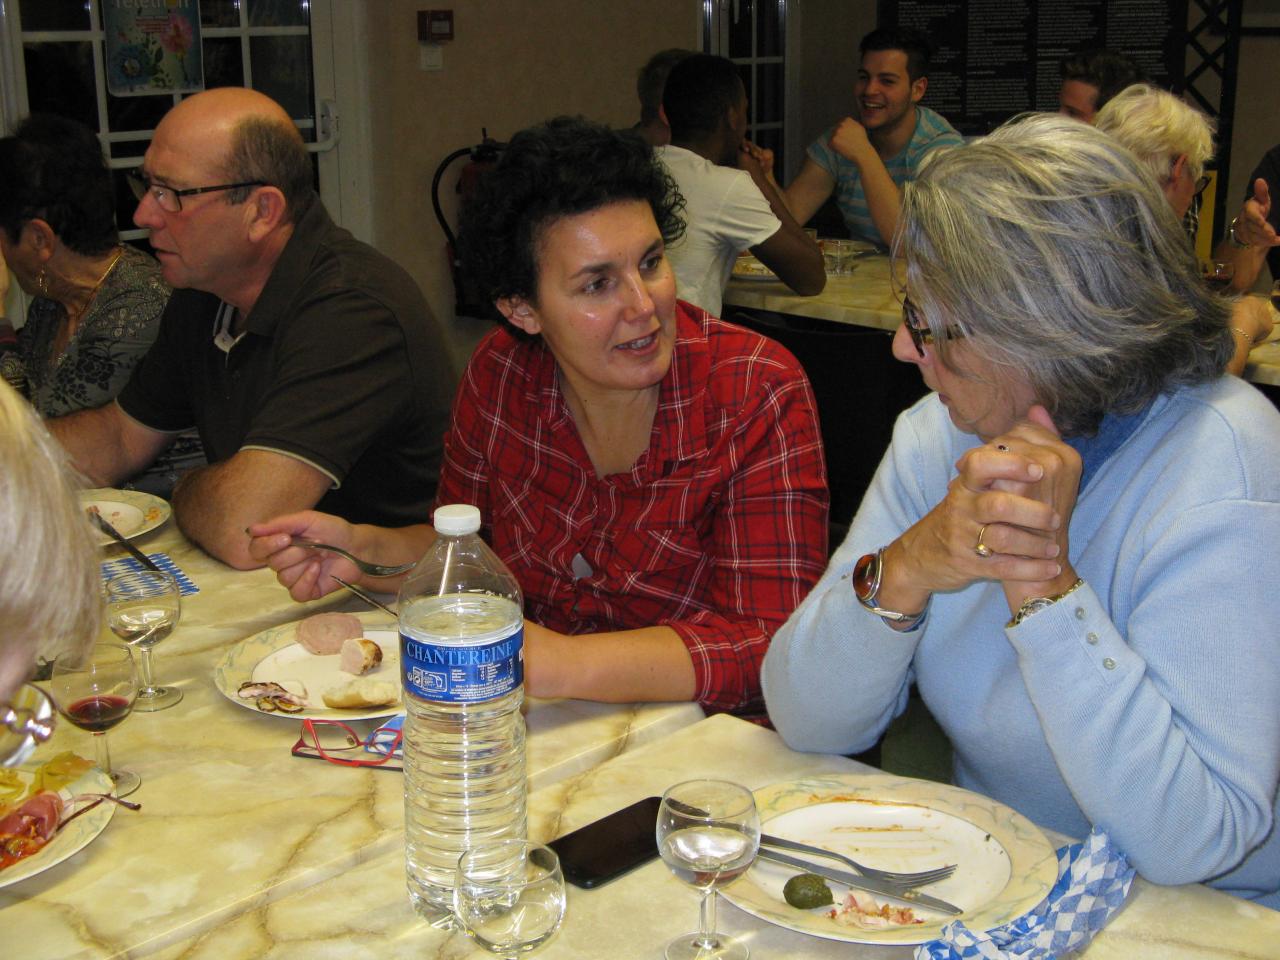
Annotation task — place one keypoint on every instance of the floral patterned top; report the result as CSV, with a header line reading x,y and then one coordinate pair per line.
x,y
116,331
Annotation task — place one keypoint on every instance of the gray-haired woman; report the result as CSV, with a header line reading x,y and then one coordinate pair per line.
x,y
1071,545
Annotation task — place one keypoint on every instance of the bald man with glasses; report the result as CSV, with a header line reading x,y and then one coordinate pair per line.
x,y
309,362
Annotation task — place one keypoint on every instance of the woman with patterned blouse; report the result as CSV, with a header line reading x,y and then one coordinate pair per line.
x,y
97,302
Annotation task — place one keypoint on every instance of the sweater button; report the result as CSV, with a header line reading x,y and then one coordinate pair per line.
x,y
1079,613
1109,663
1091,638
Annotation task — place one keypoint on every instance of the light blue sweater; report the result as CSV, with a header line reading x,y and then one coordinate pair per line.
x,y
1148,703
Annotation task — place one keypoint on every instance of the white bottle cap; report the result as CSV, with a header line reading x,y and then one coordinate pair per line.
x,y
456,519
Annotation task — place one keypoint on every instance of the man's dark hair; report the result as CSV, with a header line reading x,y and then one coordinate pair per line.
x,y
911,42
53,168
700,91
1105,69
270,151
652,79
564,167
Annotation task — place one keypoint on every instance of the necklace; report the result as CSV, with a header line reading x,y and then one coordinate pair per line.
x,y
73,319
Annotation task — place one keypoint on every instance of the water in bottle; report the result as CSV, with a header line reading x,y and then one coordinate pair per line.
x,y
462,663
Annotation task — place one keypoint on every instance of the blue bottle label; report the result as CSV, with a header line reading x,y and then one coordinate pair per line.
x,y
447,673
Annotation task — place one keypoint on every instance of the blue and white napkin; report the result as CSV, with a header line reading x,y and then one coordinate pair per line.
x,y
112,568
1093,881
385,735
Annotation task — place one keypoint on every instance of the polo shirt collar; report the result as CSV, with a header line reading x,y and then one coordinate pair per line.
x,y
310,230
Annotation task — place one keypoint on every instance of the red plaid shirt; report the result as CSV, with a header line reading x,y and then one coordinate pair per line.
x,y
718,531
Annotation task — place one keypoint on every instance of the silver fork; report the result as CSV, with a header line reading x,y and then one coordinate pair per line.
x,y
364,566
918,879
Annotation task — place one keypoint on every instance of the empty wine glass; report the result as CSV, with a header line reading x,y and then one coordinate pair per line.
x,y
708,834
143,607
96,691
509,896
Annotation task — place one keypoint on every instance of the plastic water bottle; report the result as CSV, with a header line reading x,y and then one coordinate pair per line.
x,y
462,664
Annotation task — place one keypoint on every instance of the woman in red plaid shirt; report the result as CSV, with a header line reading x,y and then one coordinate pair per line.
x,y
652,475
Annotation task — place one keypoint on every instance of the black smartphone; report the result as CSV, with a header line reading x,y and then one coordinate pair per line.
x,y
609,847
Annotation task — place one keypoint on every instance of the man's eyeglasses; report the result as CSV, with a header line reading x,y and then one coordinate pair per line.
x,y
334,741
919,330
28,718
168,198
1201,183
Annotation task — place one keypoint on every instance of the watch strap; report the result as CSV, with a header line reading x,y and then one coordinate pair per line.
x,y
1033,605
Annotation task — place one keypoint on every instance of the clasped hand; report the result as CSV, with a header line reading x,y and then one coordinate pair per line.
x,y
1015,495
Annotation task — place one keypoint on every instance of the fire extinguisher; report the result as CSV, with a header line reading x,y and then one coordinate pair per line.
x,y
483,156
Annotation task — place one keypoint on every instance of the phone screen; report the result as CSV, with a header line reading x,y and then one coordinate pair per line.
x,y
609,847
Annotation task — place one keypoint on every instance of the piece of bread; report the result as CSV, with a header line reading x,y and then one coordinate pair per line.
x,y
359,655
362,692
324,633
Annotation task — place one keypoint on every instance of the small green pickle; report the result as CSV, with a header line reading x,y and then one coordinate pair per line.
x,y
805,891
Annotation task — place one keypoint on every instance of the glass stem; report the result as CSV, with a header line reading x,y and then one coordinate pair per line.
x,y
144,668
103,753
707,928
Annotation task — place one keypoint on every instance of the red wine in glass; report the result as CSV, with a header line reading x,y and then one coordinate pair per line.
x,y
98,713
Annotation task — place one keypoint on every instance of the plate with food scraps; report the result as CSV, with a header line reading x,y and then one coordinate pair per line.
x,y
74,834
131,512
747,267
276,656
1004,864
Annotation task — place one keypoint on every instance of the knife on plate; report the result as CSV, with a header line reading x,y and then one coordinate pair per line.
x,y
105,526
365,597
890,891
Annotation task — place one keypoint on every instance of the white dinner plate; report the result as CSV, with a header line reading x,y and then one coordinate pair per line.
x,y
131,512
275,654
749,268
72,838
1005,866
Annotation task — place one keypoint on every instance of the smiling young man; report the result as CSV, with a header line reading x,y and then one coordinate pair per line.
x,y
865,158
309,362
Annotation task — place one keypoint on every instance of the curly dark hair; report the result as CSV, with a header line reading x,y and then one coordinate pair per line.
x,y
566,166
53,168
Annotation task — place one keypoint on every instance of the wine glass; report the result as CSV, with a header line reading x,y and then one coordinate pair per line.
x,y
1218,274
1275,296
509,896
143,607
708,834
95,692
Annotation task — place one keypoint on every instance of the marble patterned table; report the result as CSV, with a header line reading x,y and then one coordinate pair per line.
x,y
364,914
230,822
867,299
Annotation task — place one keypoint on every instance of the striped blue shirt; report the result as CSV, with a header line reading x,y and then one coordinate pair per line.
x,y
932,130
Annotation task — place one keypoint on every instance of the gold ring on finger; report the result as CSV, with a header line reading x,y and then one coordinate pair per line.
x,y
980,548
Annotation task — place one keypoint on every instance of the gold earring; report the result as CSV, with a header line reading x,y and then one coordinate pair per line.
x,y
42,281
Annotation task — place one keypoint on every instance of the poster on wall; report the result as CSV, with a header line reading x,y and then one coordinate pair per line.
x,y
153,46
994,59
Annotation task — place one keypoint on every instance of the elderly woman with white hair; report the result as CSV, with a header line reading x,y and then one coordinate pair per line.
x,y
49,596
1070,546
1174,141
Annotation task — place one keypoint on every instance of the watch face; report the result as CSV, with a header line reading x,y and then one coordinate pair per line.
x,y
864,576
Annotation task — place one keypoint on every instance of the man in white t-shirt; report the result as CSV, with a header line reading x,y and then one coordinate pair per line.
x,y
730,204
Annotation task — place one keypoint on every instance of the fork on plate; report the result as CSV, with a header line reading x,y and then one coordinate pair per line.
x,y
917,879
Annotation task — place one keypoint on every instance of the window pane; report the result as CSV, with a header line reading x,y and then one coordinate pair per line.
x,y
124,149
55,15
60,80
136,113
223,63
282,70
770,23
126,202
739,29
279,13
769,93
744,74
220,13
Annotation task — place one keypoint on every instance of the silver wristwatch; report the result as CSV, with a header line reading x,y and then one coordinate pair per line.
x,y
1033,605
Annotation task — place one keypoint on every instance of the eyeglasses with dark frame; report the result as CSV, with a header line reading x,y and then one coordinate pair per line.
x,y
1201,182
30,716
170,199
335,742
919,331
